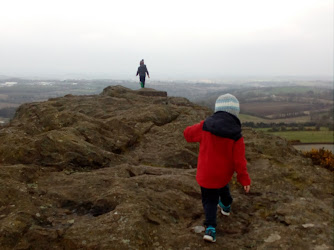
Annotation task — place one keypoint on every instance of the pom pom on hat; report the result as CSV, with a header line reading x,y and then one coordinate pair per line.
x,y
228,103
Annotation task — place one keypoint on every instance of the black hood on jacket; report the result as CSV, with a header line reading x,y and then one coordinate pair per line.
x,y
223,124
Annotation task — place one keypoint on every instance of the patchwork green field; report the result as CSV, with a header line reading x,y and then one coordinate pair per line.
x,y
322,136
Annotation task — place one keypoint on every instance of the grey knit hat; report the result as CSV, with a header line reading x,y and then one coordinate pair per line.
x,y
228,103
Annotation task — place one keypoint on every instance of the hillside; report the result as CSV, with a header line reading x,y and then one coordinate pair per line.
x,y
113,171
281,104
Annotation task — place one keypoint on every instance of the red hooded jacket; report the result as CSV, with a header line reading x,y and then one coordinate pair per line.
x,y
221,151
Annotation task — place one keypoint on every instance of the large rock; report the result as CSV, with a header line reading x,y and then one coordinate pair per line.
x,y
114,172
120,125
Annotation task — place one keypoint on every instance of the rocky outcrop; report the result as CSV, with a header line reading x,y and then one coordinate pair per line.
x,y
118,126
113,172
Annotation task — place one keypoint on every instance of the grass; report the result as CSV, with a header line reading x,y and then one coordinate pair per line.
x,y
250,118
255,119
322,136
293,89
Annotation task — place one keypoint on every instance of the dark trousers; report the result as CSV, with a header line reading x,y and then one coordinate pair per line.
x,y
210,198
142,79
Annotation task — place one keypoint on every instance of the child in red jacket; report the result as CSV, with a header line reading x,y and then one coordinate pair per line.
x,y
221,153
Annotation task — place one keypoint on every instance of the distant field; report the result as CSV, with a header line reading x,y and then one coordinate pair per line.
x,y
274,108
294,90
8,105
305,136
255,119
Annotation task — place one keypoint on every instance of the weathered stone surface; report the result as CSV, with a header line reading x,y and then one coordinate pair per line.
x,y
114,172
151,92
117,126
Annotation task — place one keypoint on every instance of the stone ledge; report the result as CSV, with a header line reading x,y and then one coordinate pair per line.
x,y
151,92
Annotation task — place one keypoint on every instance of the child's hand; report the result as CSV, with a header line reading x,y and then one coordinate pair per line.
x,y
247,188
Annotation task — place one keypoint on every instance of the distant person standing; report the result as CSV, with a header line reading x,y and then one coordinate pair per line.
x,y
142,71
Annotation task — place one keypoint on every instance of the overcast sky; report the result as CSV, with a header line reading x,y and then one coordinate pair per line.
x,y
179,39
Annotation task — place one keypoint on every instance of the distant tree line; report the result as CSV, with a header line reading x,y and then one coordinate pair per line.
x,y
274,124
276,127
